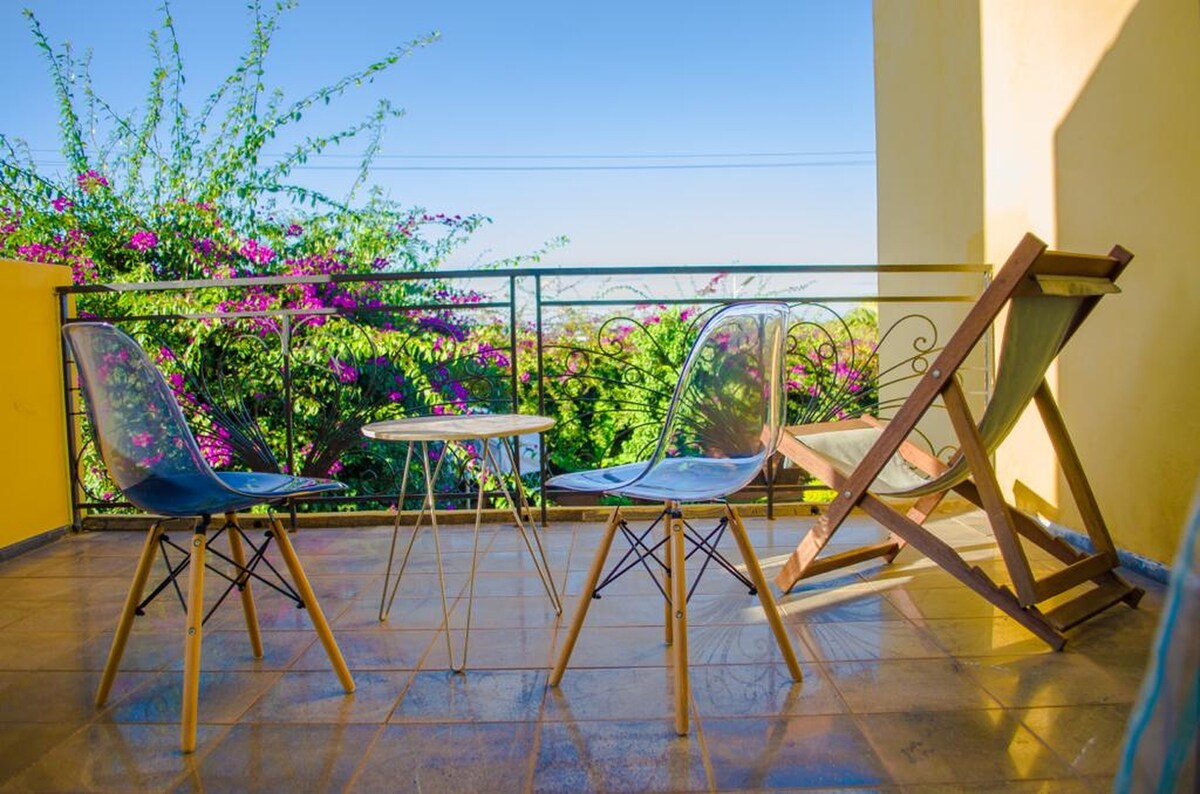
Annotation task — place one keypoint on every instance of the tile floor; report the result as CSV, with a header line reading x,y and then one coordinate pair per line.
x,y
911,682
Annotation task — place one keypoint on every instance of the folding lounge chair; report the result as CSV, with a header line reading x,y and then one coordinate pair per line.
x,y
1048,295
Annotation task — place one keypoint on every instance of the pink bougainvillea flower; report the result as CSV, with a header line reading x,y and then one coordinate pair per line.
x,y
143,240
151,461
62,204
141,439
256,252
344,372
294,230
90,180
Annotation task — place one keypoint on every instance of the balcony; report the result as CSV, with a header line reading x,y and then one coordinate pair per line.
x,y
990,121
909,679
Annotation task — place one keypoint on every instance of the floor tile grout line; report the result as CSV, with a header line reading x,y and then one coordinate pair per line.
x,y
362,762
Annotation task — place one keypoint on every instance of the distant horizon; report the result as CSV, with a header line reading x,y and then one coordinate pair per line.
x,y
663,135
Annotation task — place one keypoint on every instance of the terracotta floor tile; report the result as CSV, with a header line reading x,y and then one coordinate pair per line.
x,y
842,605
461,757
22,744
260,757
501,584
405,614
230,650
912,683
795,752
1086,737
617,756
312,697
960,747
372,649
866,640
1049,786
752,690
908,685
475,696
1054,679
1001,636
224,697
40,650
57,696
508,612
116,757
629,646
942,602
493,649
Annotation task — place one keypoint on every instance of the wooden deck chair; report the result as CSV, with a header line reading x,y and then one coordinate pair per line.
x,y
1049,294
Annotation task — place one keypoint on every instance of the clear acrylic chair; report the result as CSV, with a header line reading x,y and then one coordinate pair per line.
x,y
153,458
720,429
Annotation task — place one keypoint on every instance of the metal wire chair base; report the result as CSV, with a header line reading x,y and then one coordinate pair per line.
x,y
242,574
641,552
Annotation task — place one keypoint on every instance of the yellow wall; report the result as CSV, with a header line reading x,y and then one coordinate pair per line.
x,y
34,486
926,137
1089,115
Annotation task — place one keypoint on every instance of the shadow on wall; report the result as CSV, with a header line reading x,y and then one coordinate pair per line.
x,y
1126,171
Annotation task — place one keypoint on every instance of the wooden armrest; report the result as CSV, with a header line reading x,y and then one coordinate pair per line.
x,y
828,427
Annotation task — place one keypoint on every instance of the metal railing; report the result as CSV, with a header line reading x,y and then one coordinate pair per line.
x,y
273,378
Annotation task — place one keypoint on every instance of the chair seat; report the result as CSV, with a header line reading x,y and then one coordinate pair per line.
x,y
196,494
845,449
672,479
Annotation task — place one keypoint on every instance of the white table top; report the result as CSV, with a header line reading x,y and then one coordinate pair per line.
x,y
457,428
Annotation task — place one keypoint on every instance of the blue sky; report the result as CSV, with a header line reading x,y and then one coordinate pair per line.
x,y
535,82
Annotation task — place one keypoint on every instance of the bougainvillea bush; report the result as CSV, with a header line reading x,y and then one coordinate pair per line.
x,y
171,192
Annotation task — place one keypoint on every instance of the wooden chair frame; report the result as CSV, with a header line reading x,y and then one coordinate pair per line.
x,y
244,571
675,589
1019,276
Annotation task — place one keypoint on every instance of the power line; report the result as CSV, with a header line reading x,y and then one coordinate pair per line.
x,y
655,167
606,156
658,167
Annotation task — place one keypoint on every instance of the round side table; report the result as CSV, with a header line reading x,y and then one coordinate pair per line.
x,y
420,432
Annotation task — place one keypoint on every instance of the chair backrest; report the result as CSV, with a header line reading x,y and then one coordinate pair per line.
x,y
143,438
728,403
1049,294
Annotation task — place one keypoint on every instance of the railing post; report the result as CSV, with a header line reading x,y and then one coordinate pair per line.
x,y
512,373
541,374
64,311
285,343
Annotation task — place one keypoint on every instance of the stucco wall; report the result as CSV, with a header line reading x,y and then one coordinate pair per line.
x,y
1087,115
34,486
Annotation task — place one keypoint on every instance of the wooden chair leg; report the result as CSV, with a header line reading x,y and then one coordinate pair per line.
x,y
679,607
191,641
310,603
248,609
998,511
668,619
764,592
1072,468
585,598
125,621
